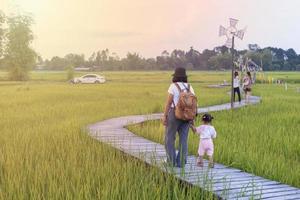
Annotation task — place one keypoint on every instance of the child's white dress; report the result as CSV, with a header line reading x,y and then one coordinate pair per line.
x,y
206,145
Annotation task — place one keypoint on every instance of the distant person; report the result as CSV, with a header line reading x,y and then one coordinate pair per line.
x,y
236,86
173,122
247,86
206,146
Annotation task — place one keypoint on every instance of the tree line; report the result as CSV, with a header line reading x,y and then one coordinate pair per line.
x,y
219,58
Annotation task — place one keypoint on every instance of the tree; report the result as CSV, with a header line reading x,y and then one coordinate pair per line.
x,y
2,20
165,54
91,60
220,61
150,64
205,56
192,58
70,72
291,54
162,61
102,58
113,62
266,59
222,49
133,61
56,63
178,59
20,57
255,56
74,60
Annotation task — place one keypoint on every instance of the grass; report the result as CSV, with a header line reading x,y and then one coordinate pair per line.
x,y
45,152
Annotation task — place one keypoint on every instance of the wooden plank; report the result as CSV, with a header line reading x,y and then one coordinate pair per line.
x,y
133,142
117,135
123,139
258,188
123,136
192,162
220,178
224,174
283,196
268,189
145,153
132,139
130,143
214,172
239,179
240,184
142,152
107,137
288,193
280,195
154,155
206,177
152,148
157,153
146,146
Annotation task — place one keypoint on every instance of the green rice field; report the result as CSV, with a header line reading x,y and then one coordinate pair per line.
x,y
46,153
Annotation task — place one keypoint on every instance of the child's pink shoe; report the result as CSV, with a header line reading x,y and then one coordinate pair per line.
x,y
199,164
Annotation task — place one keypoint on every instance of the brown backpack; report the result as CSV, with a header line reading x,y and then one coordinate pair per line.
x,y
186,108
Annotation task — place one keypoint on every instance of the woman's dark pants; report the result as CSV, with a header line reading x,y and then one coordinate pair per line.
x,y
182,127
237,90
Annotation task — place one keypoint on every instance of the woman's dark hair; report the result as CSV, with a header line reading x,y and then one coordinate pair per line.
x,y
249,74
179,79
236,74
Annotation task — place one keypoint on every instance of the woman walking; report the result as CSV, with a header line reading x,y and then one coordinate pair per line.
x,y
236,86
247,86
173,124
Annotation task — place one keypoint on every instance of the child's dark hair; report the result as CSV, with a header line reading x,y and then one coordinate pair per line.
x,y
207,118
249,74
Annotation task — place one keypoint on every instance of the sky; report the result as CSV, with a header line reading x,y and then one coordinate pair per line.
x,y
150,26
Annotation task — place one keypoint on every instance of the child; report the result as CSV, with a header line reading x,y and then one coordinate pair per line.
x,y
207,132
247,85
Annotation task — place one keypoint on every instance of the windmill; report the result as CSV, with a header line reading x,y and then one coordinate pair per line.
x,y
231,32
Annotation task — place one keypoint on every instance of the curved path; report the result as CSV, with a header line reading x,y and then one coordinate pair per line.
x,y
223,181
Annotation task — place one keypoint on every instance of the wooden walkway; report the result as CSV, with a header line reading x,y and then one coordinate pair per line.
x,y
223,181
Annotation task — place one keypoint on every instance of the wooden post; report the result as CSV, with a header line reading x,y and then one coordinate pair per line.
x,y
232,71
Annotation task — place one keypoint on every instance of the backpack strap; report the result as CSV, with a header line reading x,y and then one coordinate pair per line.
x,y
187,88
173,103
178,87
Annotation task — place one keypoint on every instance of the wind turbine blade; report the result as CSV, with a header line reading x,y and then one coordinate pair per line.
x,y
222,31
233,22
240,34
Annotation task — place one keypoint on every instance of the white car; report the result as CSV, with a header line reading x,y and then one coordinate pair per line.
x,y
89,78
